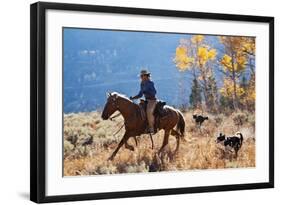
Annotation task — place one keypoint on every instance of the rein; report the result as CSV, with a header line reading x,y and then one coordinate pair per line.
x,y
122,125
119,130
117,115
112,118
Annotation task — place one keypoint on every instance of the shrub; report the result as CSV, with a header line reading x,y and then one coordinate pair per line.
x,y
218,118
68,147
239,118
252,120
103,169
136,168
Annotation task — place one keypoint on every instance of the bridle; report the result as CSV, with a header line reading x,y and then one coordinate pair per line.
x,y
117,108
116,105
114,102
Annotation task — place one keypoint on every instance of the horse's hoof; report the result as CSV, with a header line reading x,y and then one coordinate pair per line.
x,y
131,148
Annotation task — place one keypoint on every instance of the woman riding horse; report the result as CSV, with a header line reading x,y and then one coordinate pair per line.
x,y
173,122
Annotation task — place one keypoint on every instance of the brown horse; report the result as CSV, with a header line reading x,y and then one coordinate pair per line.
x,y
135,125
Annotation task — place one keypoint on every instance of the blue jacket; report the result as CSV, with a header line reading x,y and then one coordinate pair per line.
x,y
147,89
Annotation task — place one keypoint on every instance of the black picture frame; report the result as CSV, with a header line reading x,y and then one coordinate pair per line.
x,y
38,101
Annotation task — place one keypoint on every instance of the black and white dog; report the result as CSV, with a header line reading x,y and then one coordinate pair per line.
x,y
234,142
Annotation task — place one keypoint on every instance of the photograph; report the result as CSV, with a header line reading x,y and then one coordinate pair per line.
x,y
144,102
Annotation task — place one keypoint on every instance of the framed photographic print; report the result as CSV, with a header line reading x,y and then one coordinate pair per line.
x,y
129,102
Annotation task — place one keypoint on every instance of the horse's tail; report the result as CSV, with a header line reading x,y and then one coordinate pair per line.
x,y
181,124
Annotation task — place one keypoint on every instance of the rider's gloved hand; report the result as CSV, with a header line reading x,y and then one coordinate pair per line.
x,y
131,98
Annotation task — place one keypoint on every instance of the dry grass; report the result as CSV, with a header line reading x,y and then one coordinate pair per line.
x,y
197,151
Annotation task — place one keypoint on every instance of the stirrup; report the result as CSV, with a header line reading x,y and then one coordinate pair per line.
x,y
151,131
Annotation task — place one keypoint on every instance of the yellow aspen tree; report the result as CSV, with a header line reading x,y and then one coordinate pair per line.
x,y
194,54
233,62
205,60
185,61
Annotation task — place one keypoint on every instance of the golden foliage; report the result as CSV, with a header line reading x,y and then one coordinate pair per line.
x,y
226,61
241,61
228,88
182,60
249,46
204,54
192,52
250,95
237,64
237,51
196,54
197,39
212,54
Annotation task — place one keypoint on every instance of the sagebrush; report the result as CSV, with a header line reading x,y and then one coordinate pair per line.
x,y
197,151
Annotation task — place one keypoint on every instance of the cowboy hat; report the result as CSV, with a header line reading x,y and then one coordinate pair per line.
x,y
144,72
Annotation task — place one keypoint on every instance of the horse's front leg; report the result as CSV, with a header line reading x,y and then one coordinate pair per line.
x,y
124,140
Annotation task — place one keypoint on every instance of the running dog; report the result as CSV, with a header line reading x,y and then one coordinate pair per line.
x,y
235,142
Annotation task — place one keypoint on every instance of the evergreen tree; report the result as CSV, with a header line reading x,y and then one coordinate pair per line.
x,y
212,94
195,98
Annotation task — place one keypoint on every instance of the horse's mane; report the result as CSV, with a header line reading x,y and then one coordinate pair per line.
x,y
124,97
121,95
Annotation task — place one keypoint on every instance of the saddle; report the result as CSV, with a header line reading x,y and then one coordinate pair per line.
x,y
159,111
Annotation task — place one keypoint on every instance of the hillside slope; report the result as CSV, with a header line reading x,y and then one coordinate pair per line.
x,y
198,151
